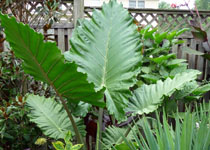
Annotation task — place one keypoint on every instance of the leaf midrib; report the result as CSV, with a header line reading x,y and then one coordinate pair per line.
x,y
103,83
39,66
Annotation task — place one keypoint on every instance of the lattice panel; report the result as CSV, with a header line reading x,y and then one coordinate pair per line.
x,y
166,20
67,12
64,13
146,19
35,11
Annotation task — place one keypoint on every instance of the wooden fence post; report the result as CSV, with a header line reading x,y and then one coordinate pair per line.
x,y
78,10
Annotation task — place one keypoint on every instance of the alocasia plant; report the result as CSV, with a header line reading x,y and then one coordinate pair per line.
x,y
108,49
44,61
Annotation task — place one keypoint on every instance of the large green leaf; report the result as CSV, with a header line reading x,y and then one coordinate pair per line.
x,y
44,61
162,58
147,98
107,48
187,90
50,117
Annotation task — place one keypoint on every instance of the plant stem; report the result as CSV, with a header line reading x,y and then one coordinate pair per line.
x,y
120,140
99,129
24,85
78,135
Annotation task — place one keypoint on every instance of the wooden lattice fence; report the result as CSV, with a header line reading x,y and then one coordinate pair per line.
x,y
165,20
32,12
